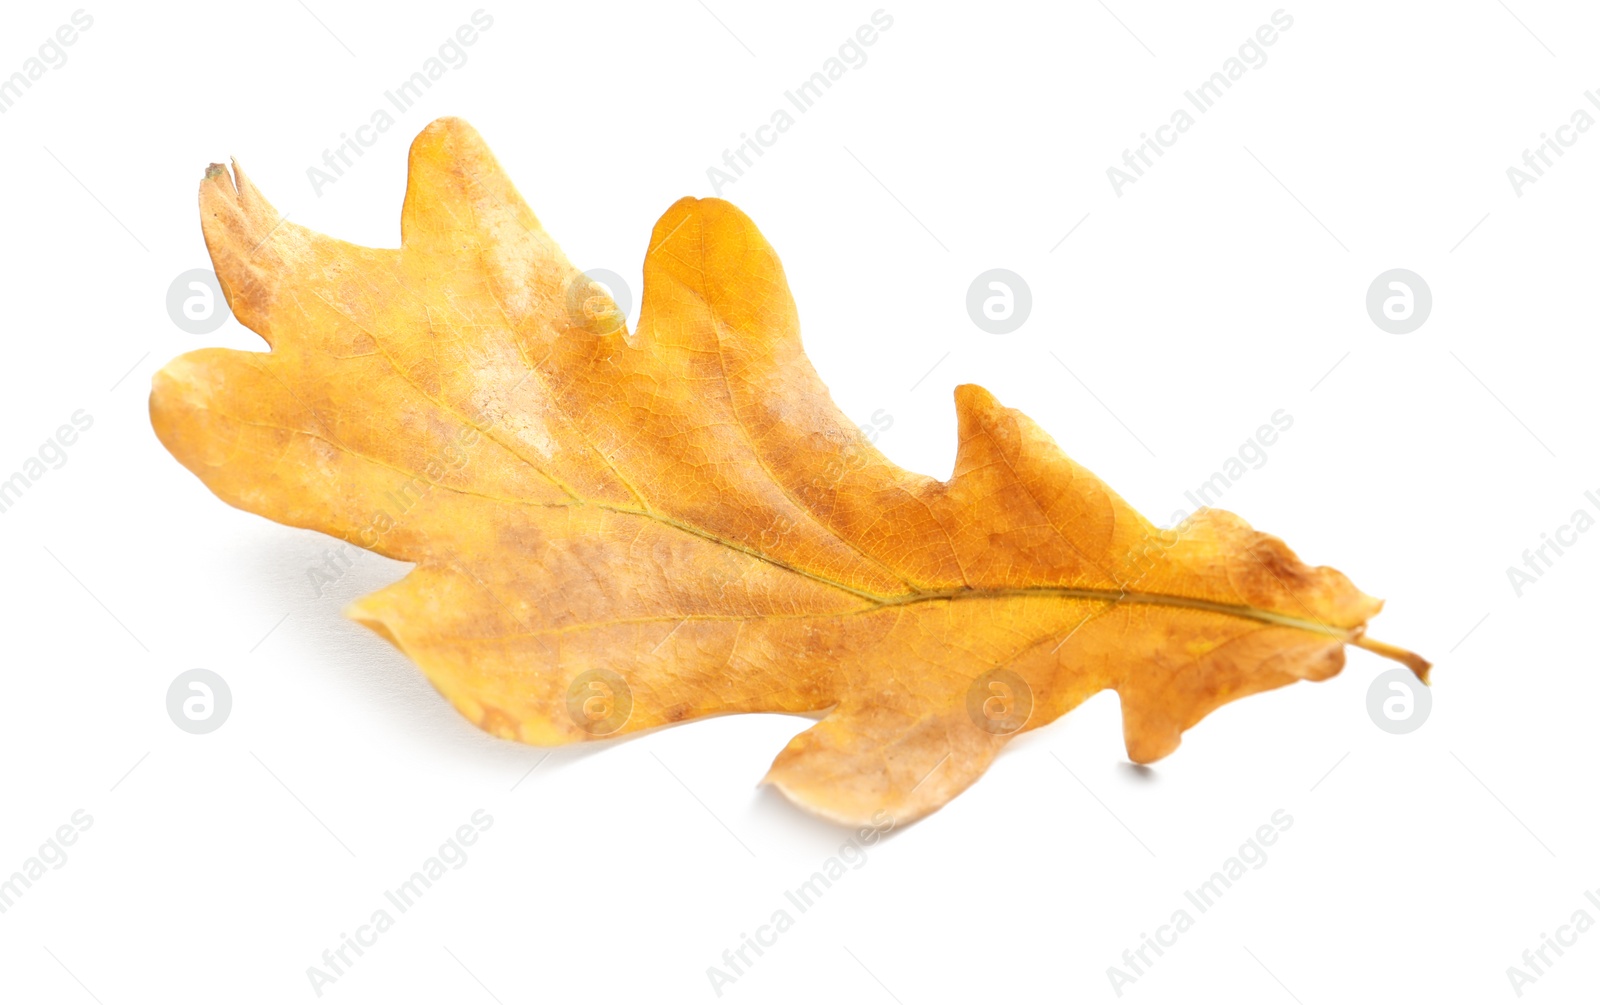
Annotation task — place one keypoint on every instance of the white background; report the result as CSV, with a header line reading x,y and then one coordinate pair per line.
x,y
1223,286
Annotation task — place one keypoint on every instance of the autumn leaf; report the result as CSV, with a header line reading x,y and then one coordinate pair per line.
x,y
614,531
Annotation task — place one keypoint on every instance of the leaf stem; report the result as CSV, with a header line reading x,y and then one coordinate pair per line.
x,y
1416,664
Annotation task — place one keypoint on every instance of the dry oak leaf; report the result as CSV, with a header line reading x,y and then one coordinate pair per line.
x,y
614,531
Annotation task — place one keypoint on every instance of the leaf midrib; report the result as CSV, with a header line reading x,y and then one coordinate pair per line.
x,y
960,593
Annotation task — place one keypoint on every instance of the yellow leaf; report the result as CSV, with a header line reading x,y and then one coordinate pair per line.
x,y
615,531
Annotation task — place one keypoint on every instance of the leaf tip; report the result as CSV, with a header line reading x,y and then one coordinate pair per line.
x,y
365,612
445,133
219,183
975,406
